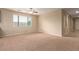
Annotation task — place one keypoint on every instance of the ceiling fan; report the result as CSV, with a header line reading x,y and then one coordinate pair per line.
x,y
33,11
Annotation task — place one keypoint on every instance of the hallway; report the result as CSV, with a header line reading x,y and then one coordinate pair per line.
x,y
73,34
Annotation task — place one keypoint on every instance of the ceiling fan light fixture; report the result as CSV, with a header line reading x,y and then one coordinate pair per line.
x,y
33,11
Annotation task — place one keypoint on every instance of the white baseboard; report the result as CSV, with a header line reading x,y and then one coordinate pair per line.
x,y
54,34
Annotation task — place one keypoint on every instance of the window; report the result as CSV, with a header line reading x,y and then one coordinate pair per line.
x,y
22,20
29,21
15,19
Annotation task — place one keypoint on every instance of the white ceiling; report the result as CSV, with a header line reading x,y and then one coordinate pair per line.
x,y
72,11
39,10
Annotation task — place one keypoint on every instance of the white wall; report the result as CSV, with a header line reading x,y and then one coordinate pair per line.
x,y
76,24
51,23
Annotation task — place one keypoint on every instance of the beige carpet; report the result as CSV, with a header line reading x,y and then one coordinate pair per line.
x,y
39,42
